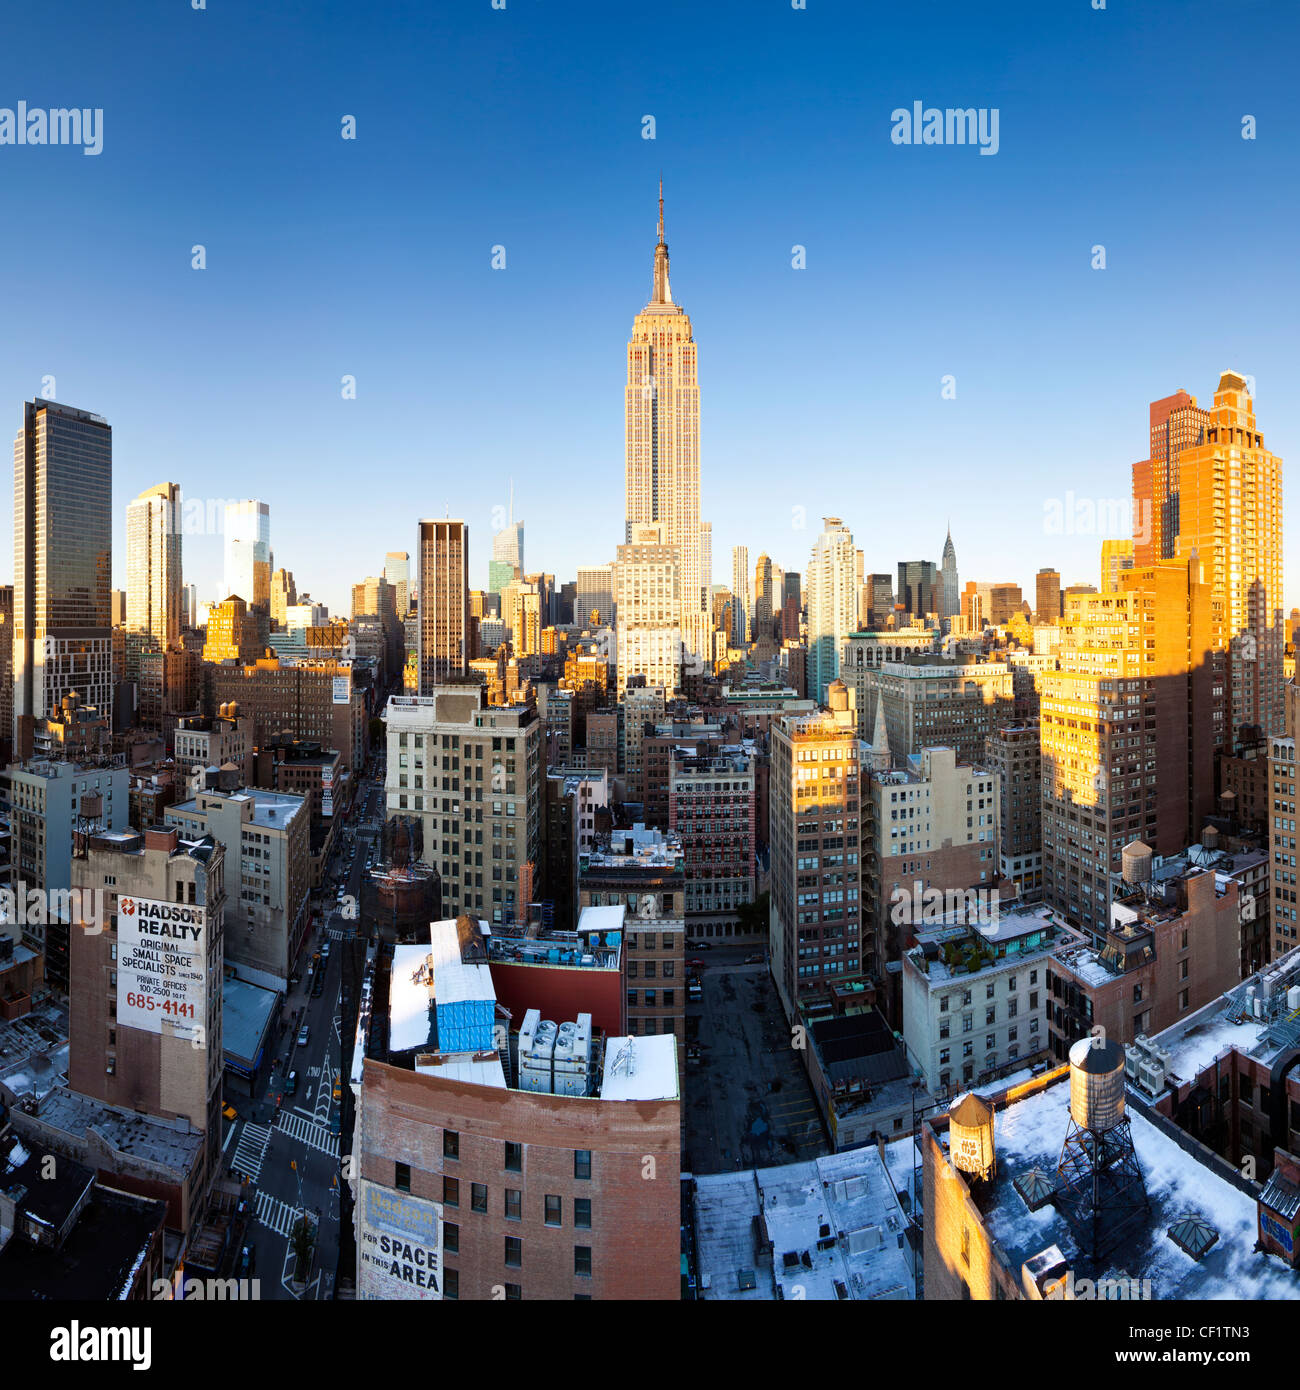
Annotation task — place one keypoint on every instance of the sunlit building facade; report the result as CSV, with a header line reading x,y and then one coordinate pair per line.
x,y
1129,726
663,442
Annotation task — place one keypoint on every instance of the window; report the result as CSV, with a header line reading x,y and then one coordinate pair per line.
x,y
450,1144
553,1210
582,1260
451,1283
478,1196
513,1204
514,1157
582,1213
451,1192
582,1163
451,1237
402,1177
513,1293
514,1252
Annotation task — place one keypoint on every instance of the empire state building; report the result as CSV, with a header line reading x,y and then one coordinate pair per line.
x,y
663,443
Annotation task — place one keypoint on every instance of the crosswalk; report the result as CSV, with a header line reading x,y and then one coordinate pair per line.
x,y
250,1152
274,1214
313,1135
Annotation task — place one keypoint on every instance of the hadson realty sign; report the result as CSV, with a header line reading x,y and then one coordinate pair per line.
x,y
162,953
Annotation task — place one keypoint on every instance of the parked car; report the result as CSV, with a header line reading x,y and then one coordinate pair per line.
x,y
699,945
302,1036
695,964
247,1262
325,950
291,1081
318,985
756,959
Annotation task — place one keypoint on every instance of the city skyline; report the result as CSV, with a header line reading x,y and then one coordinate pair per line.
x,y
850,405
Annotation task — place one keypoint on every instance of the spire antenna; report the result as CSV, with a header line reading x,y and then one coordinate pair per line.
x,y
661,294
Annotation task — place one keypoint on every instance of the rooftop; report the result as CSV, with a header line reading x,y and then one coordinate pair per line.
x,y
34,1050
271,810
246,1012
1255,1018
642,1068
1029,1133
835,1228
100,1259
154,1140
637,848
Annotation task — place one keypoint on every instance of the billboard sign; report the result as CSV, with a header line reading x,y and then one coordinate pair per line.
x,y
399,1245
162,952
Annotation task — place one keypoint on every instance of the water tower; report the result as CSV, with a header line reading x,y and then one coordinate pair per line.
x,y
970,1137
1099,1186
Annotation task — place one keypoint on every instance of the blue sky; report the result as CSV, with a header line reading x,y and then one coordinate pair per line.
x,y
820,388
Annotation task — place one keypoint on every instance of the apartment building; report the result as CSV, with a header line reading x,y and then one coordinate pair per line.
x,y
976,996
930,825
817,936
471,773
1129,728
1013,755
145,1006
644,871
267,840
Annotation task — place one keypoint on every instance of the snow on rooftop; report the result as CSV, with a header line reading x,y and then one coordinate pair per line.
x,y
453,980
1197,1048
602,919
642,1068
410,992
846,1200
1030,1132
478,1071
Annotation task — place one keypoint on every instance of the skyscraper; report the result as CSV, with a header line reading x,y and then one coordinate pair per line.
x,y
764,584
1116,557
832,601
1129,724
507,563
663,441
1047,595
950,600
63,528
740,593
1176,423
1230,514
284,595
397,570
595,595
1211,489
648,603
918,587
248,552
444,602
153,565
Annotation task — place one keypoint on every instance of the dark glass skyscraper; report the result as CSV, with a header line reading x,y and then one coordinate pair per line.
x,y
63,509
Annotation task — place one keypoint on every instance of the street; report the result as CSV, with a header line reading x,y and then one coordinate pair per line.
x,y
287,1146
